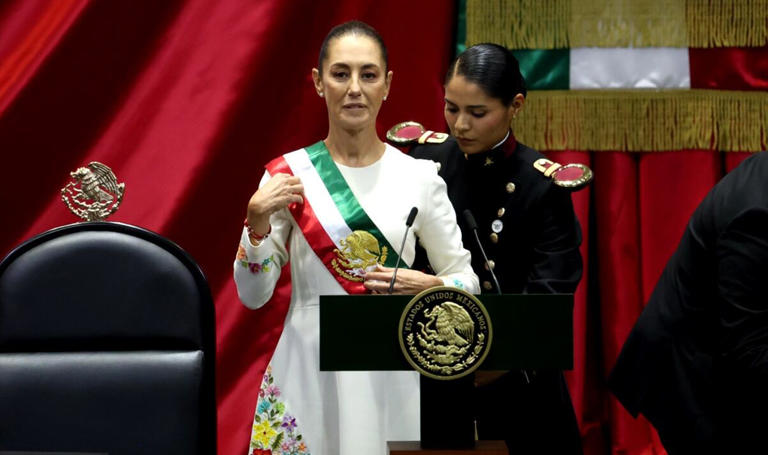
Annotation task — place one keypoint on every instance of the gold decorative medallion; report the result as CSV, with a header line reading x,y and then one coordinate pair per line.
x,y
574,176
94,194
359,251
412,132
445,333
405,133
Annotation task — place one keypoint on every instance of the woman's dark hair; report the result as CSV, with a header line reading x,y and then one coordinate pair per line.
x,y
494,68
352,28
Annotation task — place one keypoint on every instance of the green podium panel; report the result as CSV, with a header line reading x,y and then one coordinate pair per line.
x,y
530,331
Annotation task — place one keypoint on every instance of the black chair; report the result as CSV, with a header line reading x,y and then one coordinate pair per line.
x,y
106,345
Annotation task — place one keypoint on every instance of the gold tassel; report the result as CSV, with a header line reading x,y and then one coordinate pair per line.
x,y
644,120
551,24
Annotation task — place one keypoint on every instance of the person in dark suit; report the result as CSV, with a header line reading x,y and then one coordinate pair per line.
x,y
696,362
528,229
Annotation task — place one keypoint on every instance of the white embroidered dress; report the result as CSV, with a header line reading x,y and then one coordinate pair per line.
x,y
301,409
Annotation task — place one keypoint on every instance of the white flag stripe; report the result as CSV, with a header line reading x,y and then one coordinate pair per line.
x,y
653,67
318,196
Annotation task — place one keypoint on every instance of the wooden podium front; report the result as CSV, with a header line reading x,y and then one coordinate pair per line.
x,y
414,448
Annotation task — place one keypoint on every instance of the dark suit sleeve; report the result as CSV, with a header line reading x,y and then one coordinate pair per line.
x,y
557,265
742,270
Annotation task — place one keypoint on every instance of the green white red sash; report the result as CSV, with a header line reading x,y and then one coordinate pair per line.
x,y
334,237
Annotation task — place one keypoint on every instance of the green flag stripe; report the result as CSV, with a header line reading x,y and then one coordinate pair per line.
x,y
545,69
345,200
461,26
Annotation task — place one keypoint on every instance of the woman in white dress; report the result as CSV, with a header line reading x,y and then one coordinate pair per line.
x,y
339,207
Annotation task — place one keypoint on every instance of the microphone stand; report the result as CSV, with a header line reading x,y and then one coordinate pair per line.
x,y
408,224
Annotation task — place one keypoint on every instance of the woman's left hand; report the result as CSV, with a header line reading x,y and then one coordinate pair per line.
x,y
408,281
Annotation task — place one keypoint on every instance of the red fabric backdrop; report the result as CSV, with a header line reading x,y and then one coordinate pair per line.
x,y
187,99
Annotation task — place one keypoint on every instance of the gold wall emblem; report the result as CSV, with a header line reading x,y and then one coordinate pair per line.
x,y
445,333
359,251
94,194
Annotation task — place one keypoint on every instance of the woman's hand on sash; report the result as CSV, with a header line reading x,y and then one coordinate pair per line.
x,y
408,281
276,194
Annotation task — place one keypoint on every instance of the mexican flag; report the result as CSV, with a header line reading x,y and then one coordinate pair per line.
x,y
640,75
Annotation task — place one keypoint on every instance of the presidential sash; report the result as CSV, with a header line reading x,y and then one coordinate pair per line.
x,y
345,239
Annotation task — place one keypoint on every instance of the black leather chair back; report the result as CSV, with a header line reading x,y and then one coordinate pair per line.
x,y
106,345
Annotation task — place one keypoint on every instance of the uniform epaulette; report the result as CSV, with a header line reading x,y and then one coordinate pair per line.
x,y
406,133
574,176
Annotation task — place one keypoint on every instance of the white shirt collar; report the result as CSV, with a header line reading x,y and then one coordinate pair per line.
x,y
502,141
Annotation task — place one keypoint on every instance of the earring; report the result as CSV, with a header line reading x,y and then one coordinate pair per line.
x,y
385,97
321,94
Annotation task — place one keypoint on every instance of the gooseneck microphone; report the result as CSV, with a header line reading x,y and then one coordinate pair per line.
x,y
473,225
408,224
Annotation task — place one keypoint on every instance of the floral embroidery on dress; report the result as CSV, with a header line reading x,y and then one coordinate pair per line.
x,y
254,267
274,430
458,284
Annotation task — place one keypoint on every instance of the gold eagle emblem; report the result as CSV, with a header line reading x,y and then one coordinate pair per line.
x,y
360,250
94,194
445,333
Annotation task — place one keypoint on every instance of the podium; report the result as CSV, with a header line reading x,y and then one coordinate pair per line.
x,y
530,331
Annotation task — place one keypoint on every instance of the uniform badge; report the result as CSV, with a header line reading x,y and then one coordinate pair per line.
x,y
359,251
94,194
574,176
445,333
497,226
412,132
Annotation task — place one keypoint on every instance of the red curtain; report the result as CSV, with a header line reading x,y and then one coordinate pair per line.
x,y
187,99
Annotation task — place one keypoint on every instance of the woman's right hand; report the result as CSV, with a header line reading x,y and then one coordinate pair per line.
x,y
280,191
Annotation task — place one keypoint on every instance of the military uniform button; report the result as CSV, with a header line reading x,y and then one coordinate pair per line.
x,y
510,187
487,285
494,237
501,212
491,264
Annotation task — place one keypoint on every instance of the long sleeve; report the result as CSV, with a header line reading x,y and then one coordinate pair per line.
x,y
741,356
440,236
557,264
257,268
742,281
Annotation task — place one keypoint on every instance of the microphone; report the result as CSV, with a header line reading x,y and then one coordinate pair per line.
x,y
408,224
473,225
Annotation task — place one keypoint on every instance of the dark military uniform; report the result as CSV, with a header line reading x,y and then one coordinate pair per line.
x,y
696,362
531,236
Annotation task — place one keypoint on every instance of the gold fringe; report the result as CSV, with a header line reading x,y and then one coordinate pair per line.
x,y
726,23
644,120
628,23
551,24
519,24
